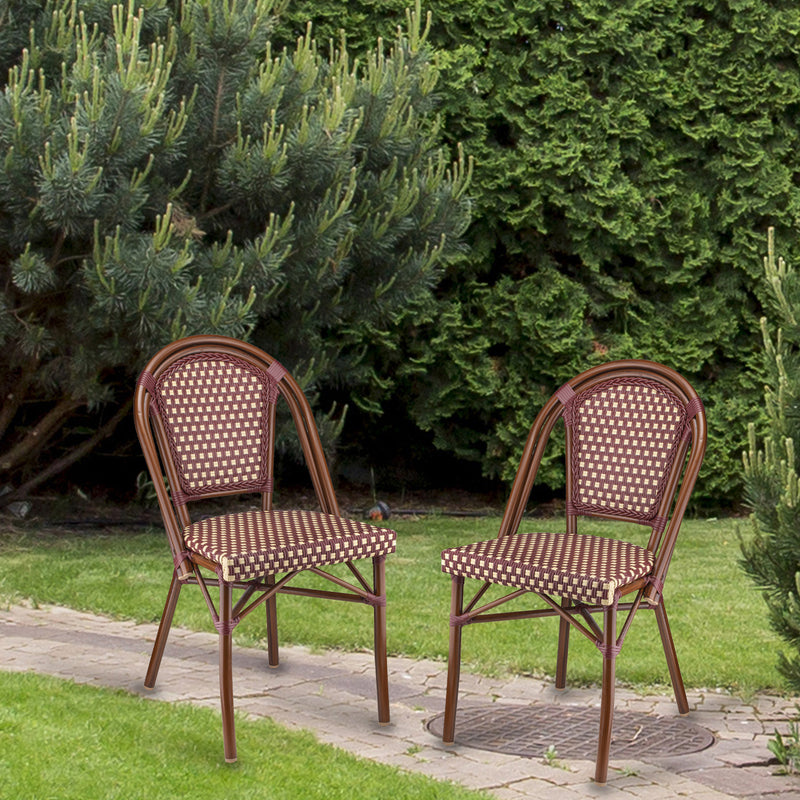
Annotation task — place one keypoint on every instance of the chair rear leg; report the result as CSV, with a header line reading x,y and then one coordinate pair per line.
x,y
563,651
453,660
672,659
225,627
163,632
607,697
273,657
379,614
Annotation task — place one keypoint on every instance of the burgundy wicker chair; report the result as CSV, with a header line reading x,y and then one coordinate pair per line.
x,y
205,411
630,426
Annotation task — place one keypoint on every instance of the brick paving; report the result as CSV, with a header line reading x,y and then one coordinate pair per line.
x,y
333,694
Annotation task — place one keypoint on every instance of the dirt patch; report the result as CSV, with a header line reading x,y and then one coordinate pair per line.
x,y
355,501
76,510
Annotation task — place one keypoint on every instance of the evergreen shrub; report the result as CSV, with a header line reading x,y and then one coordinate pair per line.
x,y
771,555
629,157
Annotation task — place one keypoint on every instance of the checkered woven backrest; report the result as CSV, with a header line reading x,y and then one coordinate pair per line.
x,y
625,436
214,408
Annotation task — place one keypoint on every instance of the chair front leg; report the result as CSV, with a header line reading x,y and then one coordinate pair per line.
x,y
563,649
672,658
273,658
379,612
609,650
163,631
453,660
225,628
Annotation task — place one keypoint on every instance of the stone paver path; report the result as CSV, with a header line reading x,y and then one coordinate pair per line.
x,y
333,694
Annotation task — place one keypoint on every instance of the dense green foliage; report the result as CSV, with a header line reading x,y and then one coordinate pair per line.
x,y
165,171
772,487
629,157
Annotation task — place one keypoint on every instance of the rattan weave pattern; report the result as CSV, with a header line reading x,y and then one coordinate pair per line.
x,y
253,544
625,433
214,410
588,569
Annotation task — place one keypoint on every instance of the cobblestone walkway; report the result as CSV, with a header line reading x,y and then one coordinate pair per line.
x,y
332,694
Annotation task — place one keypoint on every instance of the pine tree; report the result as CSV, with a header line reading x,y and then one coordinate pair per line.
x,y
772,555
164,172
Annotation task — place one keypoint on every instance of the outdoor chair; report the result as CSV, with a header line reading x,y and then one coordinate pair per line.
x,y
635,439
205,411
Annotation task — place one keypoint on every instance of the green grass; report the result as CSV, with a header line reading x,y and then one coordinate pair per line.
x,y
719,620
71,742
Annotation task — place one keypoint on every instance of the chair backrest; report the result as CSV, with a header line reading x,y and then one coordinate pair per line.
x,y
629,427
205,409
216,411
623,438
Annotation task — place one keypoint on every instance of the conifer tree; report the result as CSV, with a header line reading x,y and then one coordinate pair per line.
x,y
772,488
164,172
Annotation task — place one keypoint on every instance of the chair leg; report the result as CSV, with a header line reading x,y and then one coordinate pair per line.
x,y
381,665
607,697
672,658
453,661
273,657
226,670
163,632
563,650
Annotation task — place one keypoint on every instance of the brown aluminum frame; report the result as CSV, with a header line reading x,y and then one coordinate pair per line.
x,y
579,615
226,616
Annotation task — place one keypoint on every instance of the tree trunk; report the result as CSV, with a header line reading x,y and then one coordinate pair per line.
x,y
60,464
43,430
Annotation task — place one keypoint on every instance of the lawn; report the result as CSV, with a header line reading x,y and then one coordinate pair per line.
x,y
63,741
718,618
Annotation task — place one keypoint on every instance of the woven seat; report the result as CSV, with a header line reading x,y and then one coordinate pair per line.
x,y
635,440
588,569
254,544
205,411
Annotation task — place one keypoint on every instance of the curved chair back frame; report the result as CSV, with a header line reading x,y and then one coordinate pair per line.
x,y
205,412
578,576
